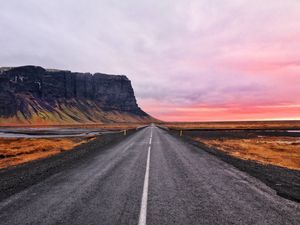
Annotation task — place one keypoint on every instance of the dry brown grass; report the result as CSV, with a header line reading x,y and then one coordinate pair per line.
x,y
235,125
280,151
14,151
275,150
107,126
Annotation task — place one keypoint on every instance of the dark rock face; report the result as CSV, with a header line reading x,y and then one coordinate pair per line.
x,y
109,92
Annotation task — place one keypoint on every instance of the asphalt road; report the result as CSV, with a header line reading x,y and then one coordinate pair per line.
x,y
150,178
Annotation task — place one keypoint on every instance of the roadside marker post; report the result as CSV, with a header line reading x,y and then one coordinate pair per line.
x,y
125,132
180,133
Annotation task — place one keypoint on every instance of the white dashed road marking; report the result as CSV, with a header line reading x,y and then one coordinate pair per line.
x,y
143,211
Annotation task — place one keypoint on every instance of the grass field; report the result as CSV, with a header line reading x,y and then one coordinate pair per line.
x,y
14,151
106,126
280,151
264,142
234,125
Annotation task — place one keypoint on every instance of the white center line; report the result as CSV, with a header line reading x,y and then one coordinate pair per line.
x,y
143,212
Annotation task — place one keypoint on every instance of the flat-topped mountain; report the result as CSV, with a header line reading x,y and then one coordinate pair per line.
x,y
34,95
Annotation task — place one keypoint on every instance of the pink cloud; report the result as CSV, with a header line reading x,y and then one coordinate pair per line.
x,y
229,113
187,60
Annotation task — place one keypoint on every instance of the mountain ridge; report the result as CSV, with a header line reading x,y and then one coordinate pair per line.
x,y
34,95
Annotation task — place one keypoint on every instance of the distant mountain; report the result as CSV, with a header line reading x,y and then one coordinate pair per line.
x,y
34,95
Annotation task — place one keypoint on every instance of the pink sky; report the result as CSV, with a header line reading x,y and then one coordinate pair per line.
x,y
194,60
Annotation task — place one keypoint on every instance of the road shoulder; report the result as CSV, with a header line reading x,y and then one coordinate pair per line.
x,y
18,178
285,182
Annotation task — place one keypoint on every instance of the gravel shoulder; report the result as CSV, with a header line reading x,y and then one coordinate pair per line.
x,y
285,182
17,178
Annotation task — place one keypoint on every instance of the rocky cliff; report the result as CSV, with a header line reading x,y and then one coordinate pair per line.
x,y
31,94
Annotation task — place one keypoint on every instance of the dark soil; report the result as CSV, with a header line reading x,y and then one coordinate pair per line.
x,y
285,182
17,178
